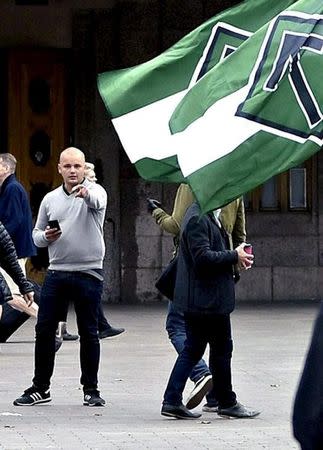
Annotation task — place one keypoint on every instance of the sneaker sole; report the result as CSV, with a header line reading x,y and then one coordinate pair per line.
x,y
197,396
93,404
46,400
226,416
178,417
111,337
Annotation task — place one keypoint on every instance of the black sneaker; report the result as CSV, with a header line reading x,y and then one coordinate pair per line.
x,y
70,337
92,398
201,388
62,333
31,396
180,412
110,332
238,411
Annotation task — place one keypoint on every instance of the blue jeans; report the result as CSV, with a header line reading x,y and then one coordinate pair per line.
x,y
203,329
175,326
85,291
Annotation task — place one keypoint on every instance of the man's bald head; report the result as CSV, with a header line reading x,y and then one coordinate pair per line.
x,y
71,151
71,166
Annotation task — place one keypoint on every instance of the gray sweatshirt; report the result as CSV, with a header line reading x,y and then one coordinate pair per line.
x,y
80,246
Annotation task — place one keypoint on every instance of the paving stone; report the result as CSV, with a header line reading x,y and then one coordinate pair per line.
x,y
269,347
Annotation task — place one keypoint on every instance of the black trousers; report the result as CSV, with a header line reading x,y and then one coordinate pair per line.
x,y
203,329
58,289
103,323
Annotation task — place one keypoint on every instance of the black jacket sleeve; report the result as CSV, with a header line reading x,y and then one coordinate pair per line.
x,y
9,262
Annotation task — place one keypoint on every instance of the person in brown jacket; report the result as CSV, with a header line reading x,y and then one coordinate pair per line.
x,y
232,217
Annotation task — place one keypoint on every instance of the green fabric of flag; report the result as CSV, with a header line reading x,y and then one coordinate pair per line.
x,y
257,113
141,99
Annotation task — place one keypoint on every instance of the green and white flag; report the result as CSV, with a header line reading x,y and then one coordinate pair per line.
x,y
142,99
257,113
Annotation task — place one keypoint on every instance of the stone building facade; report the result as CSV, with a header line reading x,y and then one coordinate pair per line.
x,y
55,49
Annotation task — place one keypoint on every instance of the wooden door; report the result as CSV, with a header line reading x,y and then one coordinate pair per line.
x,y
38,118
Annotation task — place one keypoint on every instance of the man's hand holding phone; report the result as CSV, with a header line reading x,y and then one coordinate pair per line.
x,y
245,258
53,230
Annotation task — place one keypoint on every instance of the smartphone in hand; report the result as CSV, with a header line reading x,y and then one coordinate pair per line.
x,y
54,224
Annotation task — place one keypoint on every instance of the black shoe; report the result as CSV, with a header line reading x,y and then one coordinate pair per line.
x,y
64,334
92,398
239,411
31,396
58,343
110,332
70,337
180,412
202,387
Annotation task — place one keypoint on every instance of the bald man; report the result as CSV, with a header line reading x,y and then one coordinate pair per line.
x,y
70,224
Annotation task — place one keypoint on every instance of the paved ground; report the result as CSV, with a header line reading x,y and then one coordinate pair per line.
x,y
270,343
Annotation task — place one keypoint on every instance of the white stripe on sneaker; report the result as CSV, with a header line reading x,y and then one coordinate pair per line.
x,y
34,396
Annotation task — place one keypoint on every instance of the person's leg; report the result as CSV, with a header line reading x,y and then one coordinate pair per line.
x,y
52,303
211,400
308,403
221,353
61,333
10,320
106,330
102,320
221,347
175,326
194,348
87,295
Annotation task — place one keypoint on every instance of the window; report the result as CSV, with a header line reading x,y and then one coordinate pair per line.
x,y
289,191
39,96
297,188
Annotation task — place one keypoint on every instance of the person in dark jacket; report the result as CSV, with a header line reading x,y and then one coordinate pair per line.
x,y
15,212
15,215
233,220
308,404
9,262
205,292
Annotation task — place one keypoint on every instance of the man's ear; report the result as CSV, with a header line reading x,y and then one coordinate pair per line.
x,y
59,168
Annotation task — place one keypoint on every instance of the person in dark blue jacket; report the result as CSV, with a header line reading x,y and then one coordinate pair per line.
x,y
15,212
15,215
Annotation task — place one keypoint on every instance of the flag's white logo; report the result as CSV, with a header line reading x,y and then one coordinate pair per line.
x,y
289,70
224,39
289,60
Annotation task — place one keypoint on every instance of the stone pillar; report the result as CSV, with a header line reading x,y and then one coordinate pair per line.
x,y
93,131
